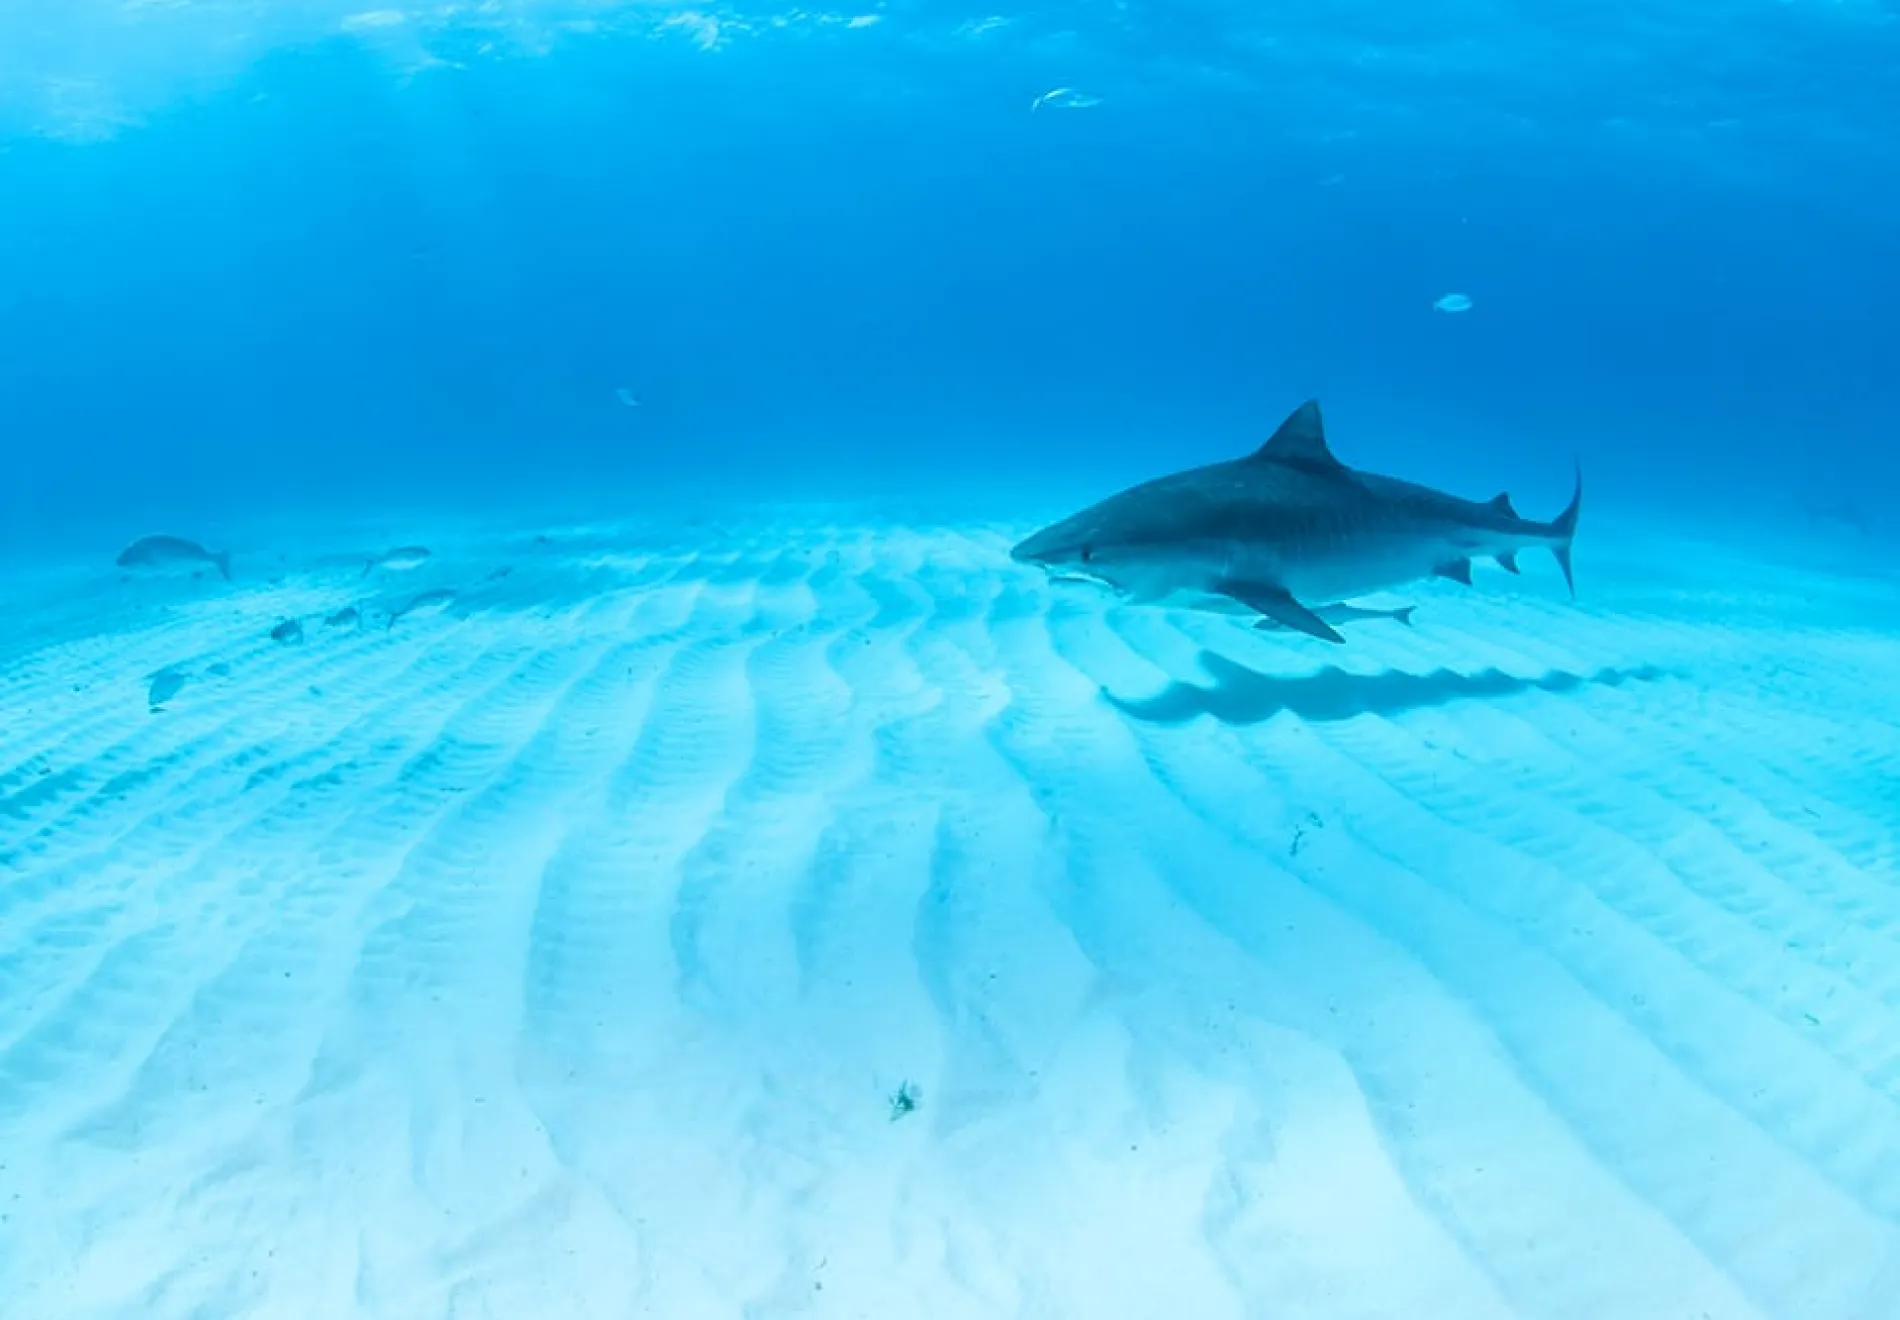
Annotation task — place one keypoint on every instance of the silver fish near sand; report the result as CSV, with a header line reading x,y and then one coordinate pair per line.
x,y
169,551
165,685
288,632
428,602
1285,529
400,560
1342,614
343,618
1337,615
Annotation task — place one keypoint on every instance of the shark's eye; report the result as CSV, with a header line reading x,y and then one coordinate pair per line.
x,y
1088,553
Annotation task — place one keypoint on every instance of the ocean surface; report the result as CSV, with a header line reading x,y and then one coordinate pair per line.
x,y
621,836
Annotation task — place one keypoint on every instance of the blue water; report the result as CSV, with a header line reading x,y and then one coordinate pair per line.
x,y
743,891
845,258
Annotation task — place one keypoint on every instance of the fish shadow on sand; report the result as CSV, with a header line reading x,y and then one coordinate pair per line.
x,y
1238,695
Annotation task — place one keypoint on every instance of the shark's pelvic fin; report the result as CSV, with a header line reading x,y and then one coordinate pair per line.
x,y
1301,440
1503,504
1458,570
1508,561
1277,603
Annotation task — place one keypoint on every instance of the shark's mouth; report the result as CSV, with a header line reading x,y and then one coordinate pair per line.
x,y
1077,577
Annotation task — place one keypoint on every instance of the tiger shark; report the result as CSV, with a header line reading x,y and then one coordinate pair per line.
x,y
1286,533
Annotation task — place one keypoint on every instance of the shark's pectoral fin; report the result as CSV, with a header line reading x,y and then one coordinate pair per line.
x,y
1458,570
1277,604
1508,561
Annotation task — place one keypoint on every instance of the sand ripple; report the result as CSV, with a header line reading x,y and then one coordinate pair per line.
x,y
567,953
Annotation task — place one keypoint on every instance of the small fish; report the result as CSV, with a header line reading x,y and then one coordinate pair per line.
x,y
165,551
1843,511
1343,613
627,397
346,617
1065,98
165,685
287,632
1453,302
427,602
400,560
500,573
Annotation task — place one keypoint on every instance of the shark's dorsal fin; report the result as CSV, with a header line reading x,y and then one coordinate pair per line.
x,y
1503,504
1301,439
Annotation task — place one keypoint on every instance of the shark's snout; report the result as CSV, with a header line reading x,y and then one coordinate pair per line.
x,y
1046,548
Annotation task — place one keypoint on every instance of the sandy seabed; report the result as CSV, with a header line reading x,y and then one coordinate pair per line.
x,y
808,917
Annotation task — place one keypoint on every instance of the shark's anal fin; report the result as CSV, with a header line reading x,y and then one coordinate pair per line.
x,y
1458,570
1508,561
1277,603
1301,441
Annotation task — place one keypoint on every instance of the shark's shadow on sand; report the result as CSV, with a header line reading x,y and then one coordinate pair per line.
x,y
1239,695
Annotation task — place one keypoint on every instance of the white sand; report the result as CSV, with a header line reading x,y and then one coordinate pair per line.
x,y
560,955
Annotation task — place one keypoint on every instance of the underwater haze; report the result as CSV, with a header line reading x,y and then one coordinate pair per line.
x,y
263,256
589,808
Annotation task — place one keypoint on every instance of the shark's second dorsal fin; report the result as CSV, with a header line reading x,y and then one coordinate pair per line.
x,y
1301,439
1503,504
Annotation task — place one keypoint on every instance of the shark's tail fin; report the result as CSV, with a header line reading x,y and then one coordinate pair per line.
x,y
1564,528
223,560
1404,614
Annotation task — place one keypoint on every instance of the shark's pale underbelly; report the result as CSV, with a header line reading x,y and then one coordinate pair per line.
x,y
1347,569
1317,585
